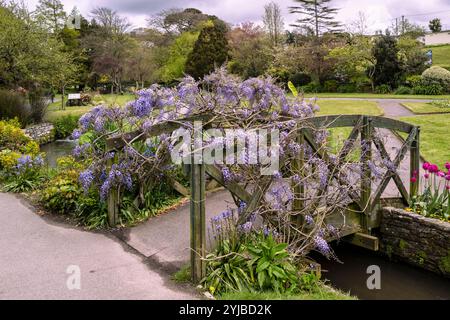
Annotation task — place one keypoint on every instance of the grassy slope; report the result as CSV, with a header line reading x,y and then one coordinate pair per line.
x,y
441,55
423,107
54,110
434,135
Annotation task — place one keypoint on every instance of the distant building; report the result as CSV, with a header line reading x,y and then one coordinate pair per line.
x,y
436,38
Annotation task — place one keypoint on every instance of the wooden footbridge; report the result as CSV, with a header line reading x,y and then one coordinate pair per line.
x,y
362,215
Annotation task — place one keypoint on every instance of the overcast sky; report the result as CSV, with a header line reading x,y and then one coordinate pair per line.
x,y
380,13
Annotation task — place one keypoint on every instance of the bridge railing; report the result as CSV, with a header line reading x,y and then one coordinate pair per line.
x,y
365,201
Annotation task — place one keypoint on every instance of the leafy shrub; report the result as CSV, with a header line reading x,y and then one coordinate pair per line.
x,y
403,90
438,75
62,192
347,88
39,105
300,79
383,89
245,259
281,74
64,126
14,143
330,86
413,81
27,174
430,89
13,105
312,87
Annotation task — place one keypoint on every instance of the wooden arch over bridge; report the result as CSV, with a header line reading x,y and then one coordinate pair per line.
x,y
362,215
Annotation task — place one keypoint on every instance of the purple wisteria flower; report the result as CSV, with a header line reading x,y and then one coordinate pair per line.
x,y
322,246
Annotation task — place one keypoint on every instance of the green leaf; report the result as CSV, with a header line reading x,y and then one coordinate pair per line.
x,y
262,266
293,89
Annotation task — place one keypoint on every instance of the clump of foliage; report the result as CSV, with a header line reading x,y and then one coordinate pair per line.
x,y
246,259
387,68
13,105
65,125
437,75
434,200
210,50
20,161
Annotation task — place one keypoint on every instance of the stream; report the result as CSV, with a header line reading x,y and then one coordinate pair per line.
x,y
57,149
398,280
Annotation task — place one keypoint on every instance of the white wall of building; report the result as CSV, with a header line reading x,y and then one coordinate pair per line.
x,y
436,38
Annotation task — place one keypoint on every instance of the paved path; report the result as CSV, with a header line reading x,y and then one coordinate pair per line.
x,y
35,253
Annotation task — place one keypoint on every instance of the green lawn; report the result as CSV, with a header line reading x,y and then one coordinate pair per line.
x,y
329,107
434,137
424,107
441,55
54,109
375,96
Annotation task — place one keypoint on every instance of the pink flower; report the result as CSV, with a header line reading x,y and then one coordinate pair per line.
x,y
413,179
426,166
447,166
441,174
447,177
426,175
433,168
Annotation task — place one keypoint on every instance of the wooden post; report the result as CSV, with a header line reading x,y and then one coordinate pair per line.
x,y
366,175
299,189
197,221
113,202
414,165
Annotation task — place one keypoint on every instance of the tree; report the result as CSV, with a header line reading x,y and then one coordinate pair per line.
x,y
52,15
250,51
411,55
387,68
435,25
177,56
273,22
354,61
177,21
27,53
141,65
109,45
319,16
210,50
360,25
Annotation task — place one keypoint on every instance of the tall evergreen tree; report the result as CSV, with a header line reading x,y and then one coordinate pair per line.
x,y
210,50
51,14
387,67
318,15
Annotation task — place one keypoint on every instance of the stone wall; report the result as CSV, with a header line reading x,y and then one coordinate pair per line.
x,y
42,133
417,240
